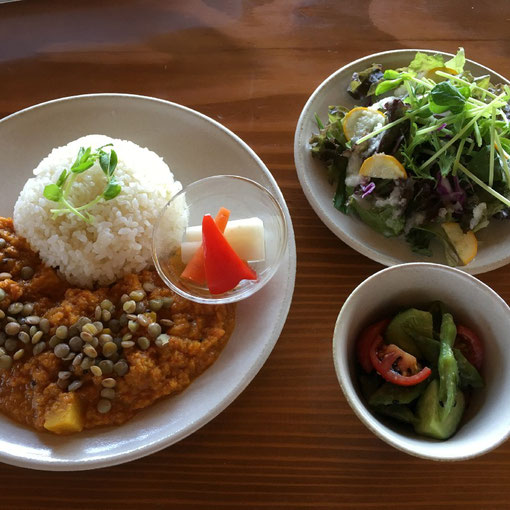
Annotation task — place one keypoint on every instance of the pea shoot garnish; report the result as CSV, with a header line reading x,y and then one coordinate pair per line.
x,y
59,191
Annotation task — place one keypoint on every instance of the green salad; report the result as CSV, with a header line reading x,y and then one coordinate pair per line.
x,y
425,154
420,367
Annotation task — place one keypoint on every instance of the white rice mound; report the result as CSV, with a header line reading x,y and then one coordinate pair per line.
x,y
119,241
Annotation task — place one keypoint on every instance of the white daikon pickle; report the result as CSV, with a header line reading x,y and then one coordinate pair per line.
x,y
246,237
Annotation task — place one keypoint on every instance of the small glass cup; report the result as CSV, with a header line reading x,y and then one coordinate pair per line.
x,y
244,198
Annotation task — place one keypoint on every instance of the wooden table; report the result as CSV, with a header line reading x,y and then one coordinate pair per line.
x,y
290,440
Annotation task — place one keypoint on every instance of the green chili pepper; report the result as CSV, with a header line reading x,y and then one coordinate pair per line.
x,y
447,364
468,374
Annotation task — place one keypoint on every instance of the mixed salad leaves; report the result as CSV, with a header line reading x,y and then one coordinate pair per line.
x,y
420,367
425,156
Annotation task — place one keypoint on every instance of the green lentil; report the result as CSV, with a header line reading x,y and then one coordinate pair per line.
x,y
2,294
28,309
76,344
37,337
86,336
96,371
167,302
104,406
109,382
61,332
133,326
121,368
87,363
129,306
33,320
108,393
5,276
77,360
156,304
90,351
81,322
24,337
54,340
3,243
154,330
148,286
106,366
61,350
15,308
109,348
44,325
97,313
75,385
143,320
38,348
99,326
18,354
89,328
64,374
106,304
33,330
127,344
12,328
105,338
27,272
106,315
124,298
137,295
10,344
144,343
5,362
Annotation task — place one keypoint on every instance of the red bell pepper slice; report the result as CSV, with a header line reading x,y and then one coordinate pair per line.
x,y
224,269
395,365
195,270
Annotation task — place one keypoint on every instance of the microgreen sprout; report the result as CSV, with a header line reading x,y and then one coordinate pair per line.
x,y
59,191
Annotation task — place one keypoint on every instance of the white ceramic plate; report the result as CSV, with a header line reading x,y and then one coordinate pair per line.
x,y
194,146
494,241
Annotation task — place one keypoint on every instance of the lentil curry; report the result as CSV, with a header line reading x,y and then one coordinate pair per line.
x,y
72,359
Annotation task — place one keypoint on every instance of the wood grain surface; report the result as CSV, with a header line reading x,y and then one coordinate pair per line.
x,y
290,440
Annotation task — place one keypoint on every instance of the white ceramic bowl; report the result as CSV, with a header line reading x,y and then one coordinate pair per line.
x,y
486,423
244,198
494,241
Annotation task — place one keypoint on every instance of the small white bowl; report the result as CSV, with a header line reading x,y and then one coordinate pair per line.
x,y
244,198
486,423
494,241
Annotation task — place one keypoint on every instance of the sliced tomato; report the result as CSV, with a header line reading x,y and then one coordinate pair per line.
x,y
469,343
395,365
365,341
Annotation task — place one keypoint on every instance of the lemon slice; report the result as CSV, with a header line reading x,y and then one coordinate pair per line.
x,y
360,121
465,244
431,73
383,166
